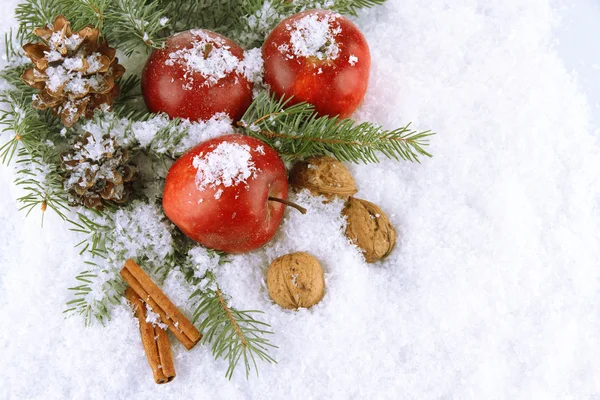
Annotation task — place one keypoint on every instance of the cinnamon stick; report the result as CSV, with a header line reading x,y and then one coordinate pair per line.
x,y
141,283
155,341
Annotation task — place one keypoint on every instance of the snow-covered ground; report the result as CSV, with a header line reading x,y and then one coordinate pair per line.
x,y
493,290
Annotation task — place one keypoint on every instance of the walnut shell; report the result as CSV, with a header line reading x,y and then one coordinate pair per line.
x,y
369,228
323,176
296,280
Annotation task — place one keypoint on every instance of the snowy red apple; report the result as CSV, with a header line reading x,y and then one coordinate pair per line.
x,y
218,193
319,57
197,75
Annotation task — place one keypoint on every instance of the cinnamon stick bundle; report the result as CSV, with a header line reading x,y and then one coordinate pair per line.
x,y
141,283
155,340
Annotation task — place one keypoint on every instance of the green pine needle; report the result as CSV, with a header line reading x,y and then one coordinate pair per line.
x,y
297,132
236,336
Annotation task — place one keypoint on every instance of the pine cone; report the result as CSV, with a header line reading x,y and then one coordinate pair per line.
x,y
97,170
74,72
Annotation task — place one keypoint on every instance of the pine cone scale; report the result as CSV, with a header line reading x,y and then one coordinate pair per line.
x,y
97,170
76,73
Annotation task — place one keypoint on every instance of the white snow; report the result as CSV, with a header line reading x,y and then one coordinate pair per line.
x,y
154,318
313,36
142,230
202,260
252,66
212,59
493,290
209,56
146,133
228,164
58,41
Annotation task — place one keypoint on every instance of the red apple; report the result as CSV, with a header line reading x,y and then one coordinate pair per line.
x,y
195,76
218,193
319,57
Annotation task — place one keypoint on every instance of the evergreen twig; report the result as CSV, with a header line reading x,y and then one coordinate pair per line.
x,y
298,132
135,24
32,14
236,336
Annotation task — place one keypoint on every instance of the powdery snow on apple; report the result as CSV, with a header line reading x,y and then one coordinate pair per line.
x,y
319,57
198,74
218,193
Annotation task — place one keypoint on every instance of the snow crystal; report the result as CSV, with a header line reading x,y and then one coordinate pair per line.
x,y
352,59
94,64
72,63
208,56
53,55
261,19
174,139
67,76
145,131
313,36
228,164
202,260
252,66
200,131
59,41
141,231
154,318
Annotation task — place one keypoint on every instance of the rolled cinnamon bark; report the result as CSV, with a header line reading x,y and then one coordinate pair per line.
x,y
155,340
141,283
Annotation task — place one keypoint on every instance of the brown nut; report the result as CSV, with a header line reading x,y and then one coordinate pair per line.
x,y
296,280
369,229
323,176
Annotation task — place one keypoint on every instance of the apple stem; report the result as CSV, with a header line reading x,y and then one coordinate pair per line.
x,y
288,203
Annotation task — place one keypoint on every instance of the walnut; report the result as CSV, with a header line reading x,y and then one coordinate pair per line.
x,y
369,229
296,280
323,176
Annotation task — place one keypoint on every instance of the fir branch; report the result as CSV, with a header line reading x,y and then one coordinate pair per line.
x,y
13,56
81,13
135,24
95,308
96,226
218,16
257,18
42,183
234,335
351,7
298,132
130,90
32,14
29,128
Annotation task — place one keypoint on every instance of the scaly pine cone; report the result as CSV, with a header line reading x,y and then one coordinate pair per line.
x,y
74,73
97,170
